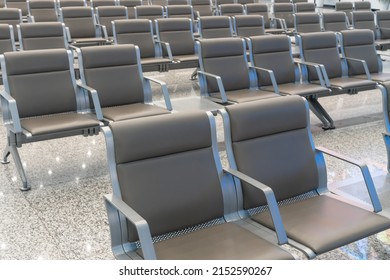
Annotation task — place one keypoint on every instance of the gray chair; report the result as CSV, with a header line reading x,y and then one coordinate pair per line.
x,y
178,2
244,2
274,53
248,25
359,44
140,32
304,7
149,12
383,23
81,26
271,143
13,17
230,9
322,49
7,42
307,22
262,10
362,5
101,3
176,38
105,15
71,3
42,10
335,21
283,16
18,4
113,74
225,76
42,35
42,101
130,5
202,8
347,7
215,27
170,199
180,11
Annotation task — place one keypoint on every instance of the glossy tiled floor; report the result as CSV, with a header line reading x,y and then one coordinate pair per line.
x,y
63,216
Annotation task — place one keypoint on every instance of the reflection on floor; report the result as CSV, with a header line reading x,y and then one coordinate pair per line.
x,y
63,216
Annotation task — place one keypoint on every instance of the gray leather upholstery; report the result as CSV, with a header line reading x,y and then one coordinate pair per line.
x,y
43,35
71,3
231,9
43,10
215,27
383,21
130,4
6,44
149,12
12,17
101,3
363,20
202,7
80,22
336,21
346,7
18,4
179,11
258,9
362,5
285,11
131,111
249,25
107,14
307,22
305,7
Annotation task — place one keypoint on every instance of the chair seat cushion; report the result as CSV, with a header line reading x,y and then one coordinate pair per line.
x,y
323,223
222,242
377,77
132,111
300,89
246,95
186,58
153,60
88,40
58,123
346,83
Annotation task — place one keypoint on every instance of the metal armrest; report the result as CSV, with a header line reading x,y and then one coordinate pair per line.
x,y
219,83
271,76
282,22
68,36
363,62
320,69
140,224
365,172
95,99
10,112
271,201
164,90
168,48
104,30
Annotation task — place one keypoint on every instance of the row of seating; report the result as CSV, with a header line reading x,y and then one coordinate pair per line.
x,y
173,200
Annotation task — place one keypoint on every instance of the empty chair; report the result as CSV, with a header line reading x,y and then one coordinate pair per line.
x,y
177,42
42,10
215,27
225,76
100,3
283,14
231,9
360,45
362,5
13,17
149,12
248,25
18,4
81,26
7,42
346,7
222,2
115,74
322,49
42,35
106,14
281,1
307,22
262,144
262,10
140,32
335,21
383,22
305,7
180,11
71,3
274,53
177,2
157,2
181,209
130,5
243,2
202,8
42,101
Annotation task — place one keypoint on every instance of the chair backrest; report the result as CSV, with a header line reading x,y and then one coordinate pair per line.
x,y
285,11
362,5
71,3
177,2
42,35
225,57
2,3
180,11
360,44
138,32
170,175
383,21
258,9
335,22
100,3
41,81
266,145
178,33
346,7
307,22
157,2
202,7
130,4
321,48
11,16
42,10
106,14
299,1
363,20
231,9
18,4
281,1
215,27
243,2
7,41
305,7
221,2
80,21
149,12
115,72
248,25
274,53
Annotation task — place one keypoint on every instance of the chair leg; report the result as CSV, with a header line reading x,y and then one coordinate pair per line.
x,y
6,154
194,74
386,138
321,113
12,150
